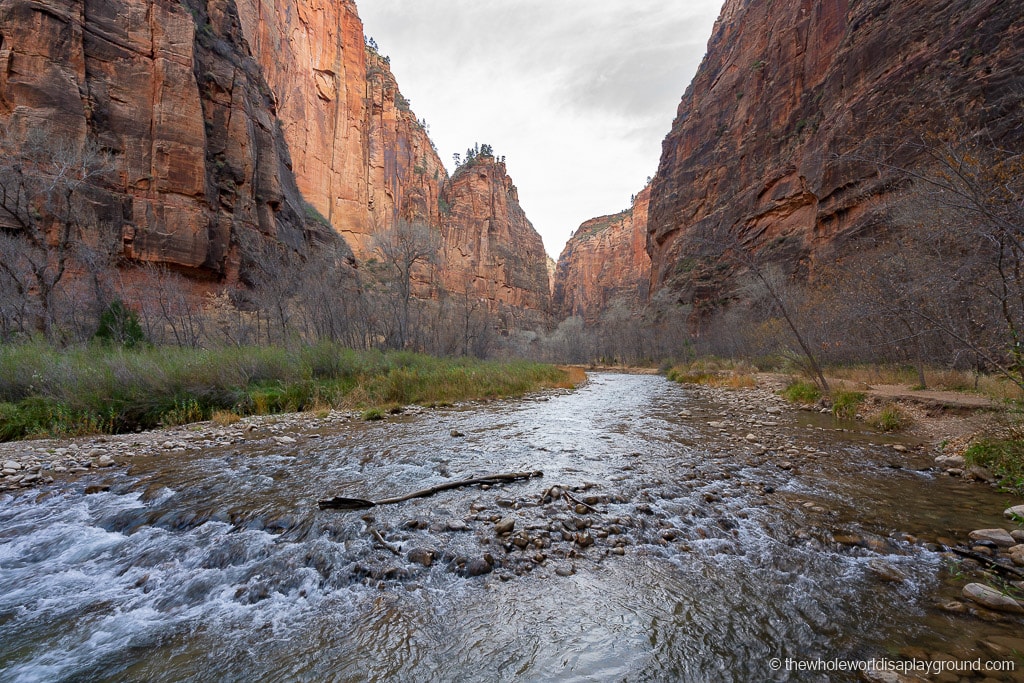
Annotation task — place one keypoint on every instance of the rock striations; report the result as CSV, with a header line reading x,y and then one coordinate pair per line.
x,y
773,142
233,117
605,263
490,247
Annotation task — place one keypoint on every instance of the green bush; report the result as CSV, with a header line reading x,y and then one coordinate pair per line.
x,y
846,403
889,419
1004,458
800,391
119,325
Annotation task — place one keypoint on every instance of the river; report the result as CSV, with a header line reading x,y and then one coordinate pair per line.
x,y
687,551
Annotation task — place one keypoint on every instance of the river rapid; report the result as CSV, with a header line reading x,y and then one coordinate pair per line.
x,y
706,533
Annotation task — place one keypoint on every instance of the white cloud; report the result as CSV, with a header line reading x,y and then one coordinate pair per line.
x,y
577,94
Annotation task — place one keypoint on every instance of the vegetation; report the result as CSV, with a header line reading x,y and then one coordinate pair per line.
x,y
846,403
1003,457
715,372
102,389
889,418
800,391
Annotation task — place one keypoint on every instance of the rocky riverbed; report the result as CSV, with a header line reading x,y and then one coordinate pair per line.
x,y
757,528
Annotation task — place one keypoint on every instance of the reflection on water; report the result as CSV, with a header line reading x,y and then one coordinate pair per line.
x,y
219,566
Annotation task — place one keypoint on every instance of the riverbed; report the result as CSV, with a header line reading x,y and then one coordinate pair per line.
x,y
692,534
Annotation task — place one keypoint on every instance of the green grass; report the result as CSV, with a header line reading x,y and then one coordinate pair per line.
x,y
846,403
1004,458
800,391
889,419
104,389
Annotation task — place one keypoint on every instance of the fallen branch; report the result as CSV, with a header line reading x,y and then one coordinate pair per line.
x,y
385,544
341,503
570,499
985,560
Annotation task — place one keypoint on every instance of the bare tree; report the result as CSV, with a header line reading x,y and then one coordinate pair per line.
x,y
44,214
402,250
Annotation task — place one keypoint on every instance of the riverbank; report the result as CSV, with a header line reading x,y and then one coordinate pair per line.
x,y
46,392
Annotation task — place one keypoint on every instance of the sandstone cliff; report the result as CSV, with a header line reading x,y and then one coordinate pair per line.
x,y
605,262
490,247
773,142
169,90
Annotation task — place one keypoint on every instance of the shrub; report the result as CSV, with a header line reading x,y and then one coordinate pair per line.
x,y
1004,458
185,411
800,391
225,418
119,325
373,414
889,419
846,403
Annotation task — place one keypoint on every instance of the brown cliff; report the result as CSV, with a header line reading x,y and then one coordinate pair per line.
x,y
773,142
604,263
167,89
490,247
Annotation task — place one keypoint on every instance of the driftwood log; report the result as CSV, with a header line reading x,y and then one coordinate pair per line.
x,y
341,503
990,563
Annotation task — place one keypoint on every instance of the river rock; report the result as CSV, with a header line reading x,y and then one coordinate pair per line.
x,y
505,526
565,570
105,461
979,473
1017,555
1000,537
1009,513
885,571
950,461
12,465
1003,646
991,598
284,440
1018,535
421,556
478,566
455,433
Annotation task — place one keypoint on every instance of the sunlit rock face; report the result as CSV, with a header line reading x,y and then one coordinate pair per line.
x,y
604,264
775,141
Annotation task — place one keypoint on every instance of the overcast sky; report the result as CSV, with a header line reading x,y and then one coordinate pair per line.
x,y
576,94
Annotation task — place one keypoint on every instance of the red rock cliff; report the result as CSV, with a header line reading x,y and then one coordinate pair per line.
x,y
170,91
490,247
605,262
765,145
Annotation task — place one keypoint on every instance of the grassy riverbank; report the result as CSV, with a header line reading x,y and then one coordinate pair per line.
x,y
99,389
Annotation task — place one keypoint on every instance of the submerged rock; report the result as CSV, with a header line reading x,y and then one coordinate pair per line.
x,y
505,526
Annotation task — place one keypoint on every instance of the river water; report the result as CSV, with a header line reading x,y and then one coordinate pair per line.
x,y
219,566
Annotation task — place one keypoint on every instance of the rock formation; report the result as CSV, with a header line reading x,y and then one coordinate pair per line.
x,y
229,119
774,141
169,90
605,262
490,247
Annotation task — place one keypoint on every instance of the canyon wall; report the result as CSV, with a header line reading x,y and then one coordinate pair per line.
x,y
605,263
490,247
229,119
180,110
787,137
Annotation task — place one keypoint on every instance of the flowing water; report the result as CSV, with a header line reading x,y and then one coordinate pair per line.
x,y
219,566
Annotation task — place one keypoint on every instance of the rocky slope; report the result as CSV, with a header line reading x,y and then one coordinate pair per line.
x,y
773,141
605,262
490,247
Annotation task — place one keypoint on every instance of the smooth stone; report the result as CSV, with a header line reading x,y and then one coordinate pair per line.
x,y
979,473
750,437
685,413
505,526
1000,537
950,461
105,461
12,465
1009,513
457,525
478,566
885,571
1018,535
991,598
565,570
456,433
1003,646
282,440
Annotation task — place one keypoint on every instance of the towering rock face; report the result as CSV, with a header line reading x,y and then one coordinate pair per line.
x,y
168,89
490,247
775,140
360,156
605,262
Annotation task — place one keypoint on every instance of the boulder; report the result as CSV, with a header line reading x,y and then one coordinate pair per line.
x,y
991,598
